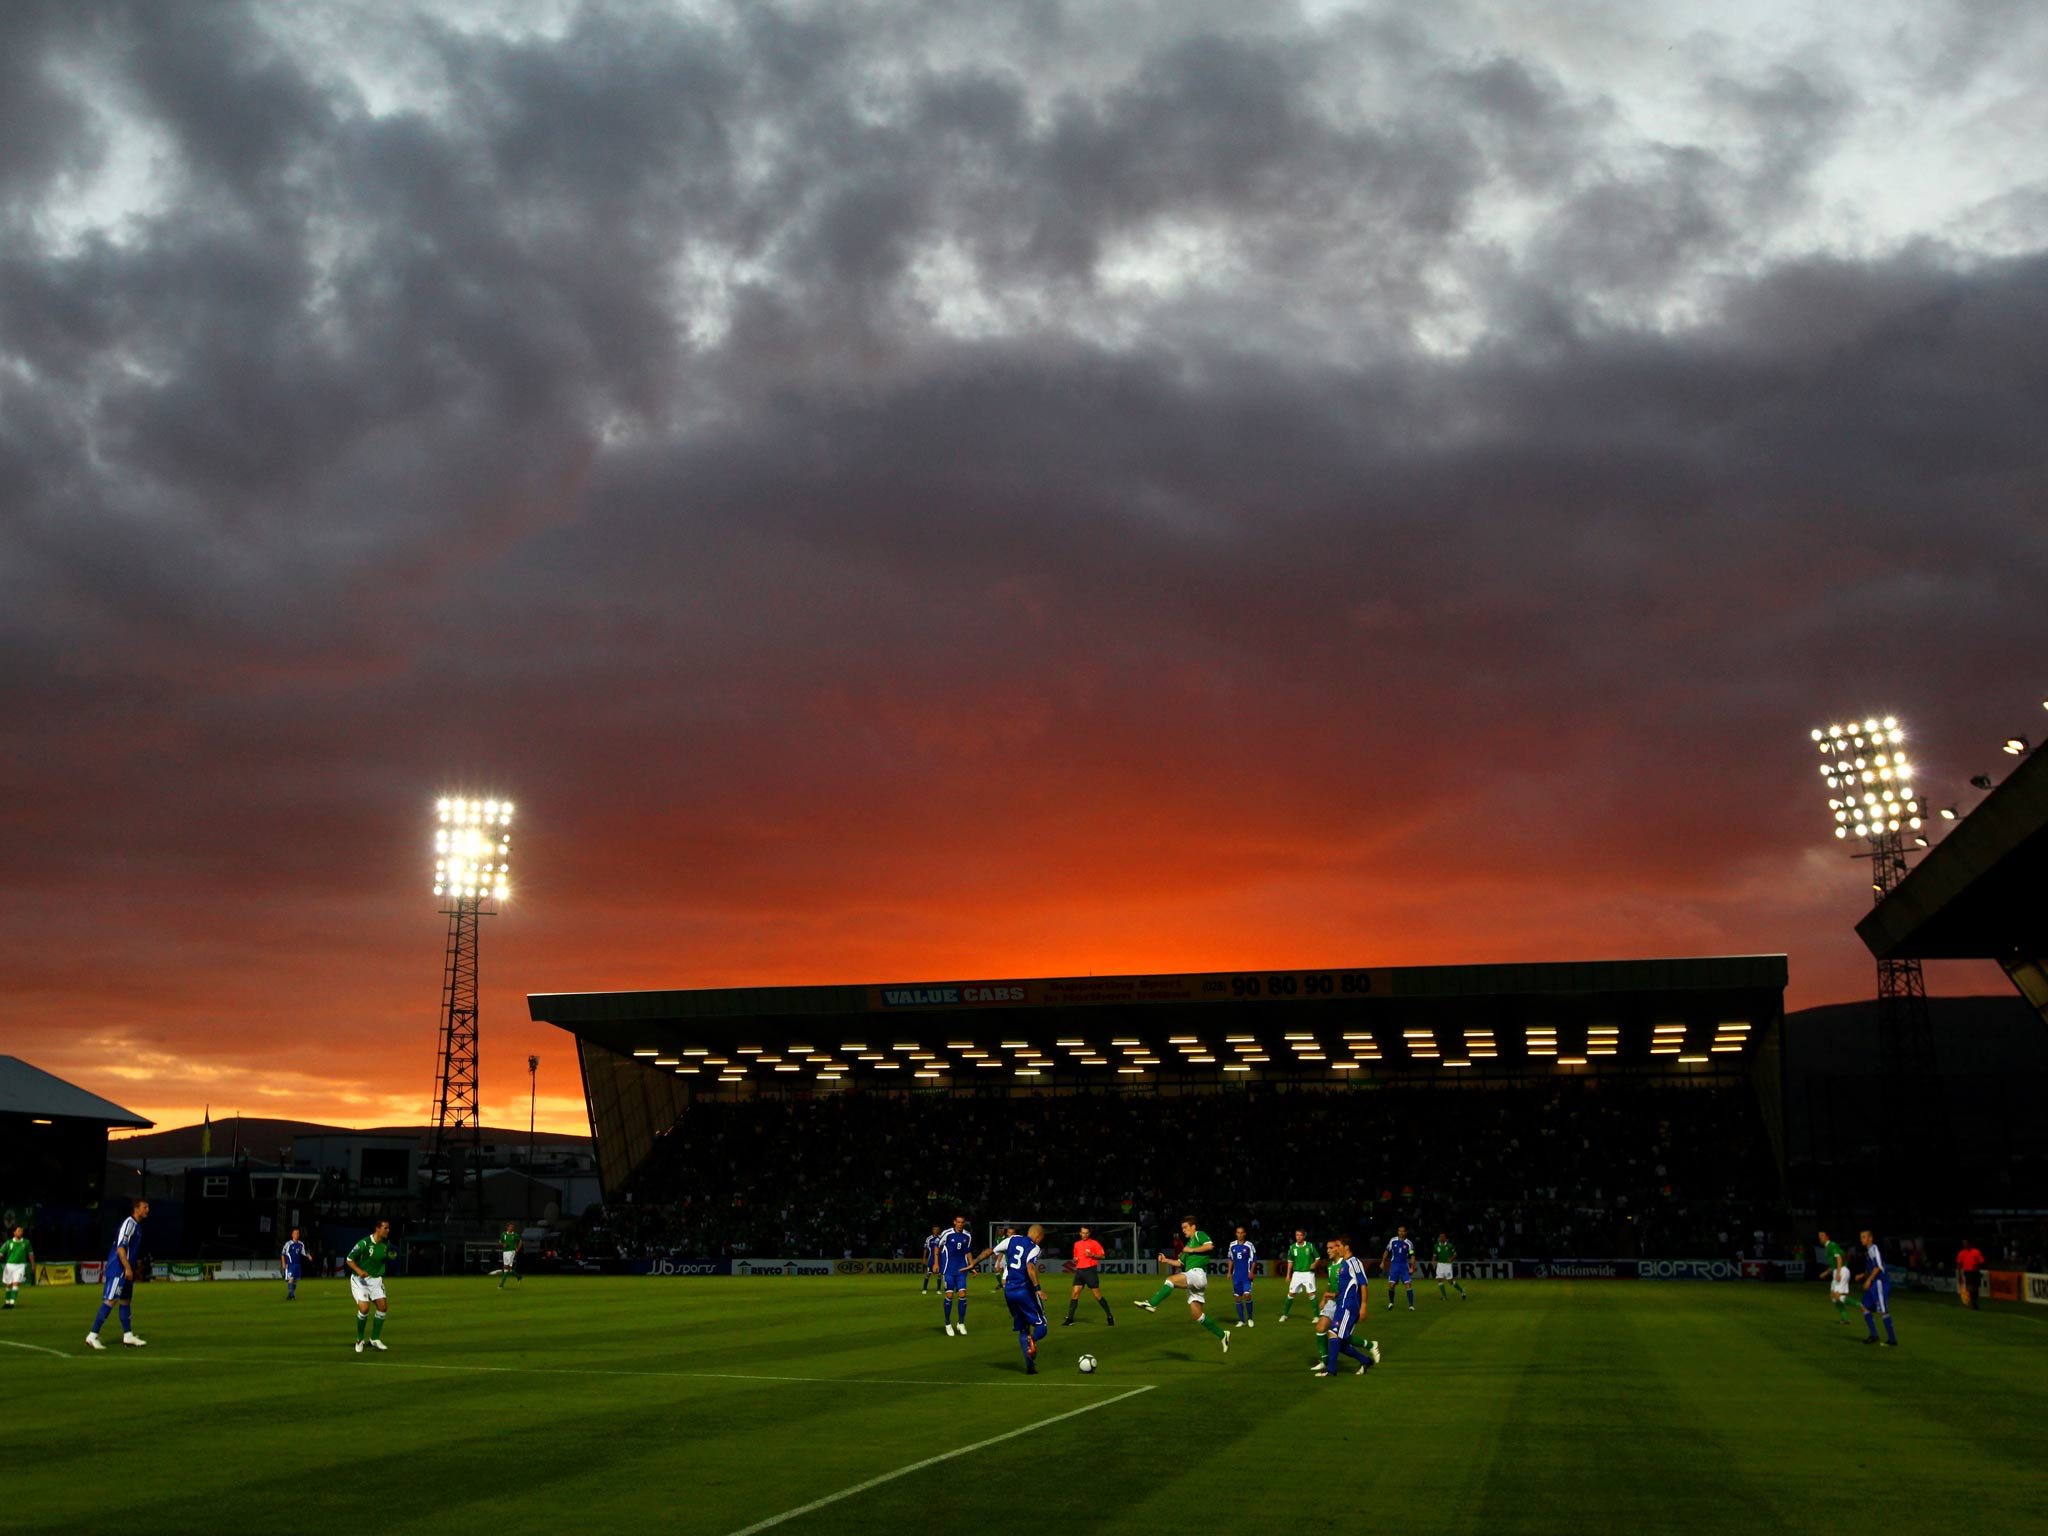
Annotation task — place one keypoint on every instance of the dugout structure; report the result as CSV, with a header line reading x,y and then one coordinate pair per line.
x,y
647,1056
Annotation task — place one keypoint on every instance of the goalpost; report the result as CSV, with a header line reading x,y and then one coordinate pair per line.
x,y
1121,1254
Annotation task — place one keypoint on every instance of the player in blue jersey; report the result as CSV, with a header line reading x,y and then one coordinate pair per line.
x,y
1398,1263
1243,1255
1347,1287
956,1258
1876,1293
293,1262
120,1288
1017,1259
931,1261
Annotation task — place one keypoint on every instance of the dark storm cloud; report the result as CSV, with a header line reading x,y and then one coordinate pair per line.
x,y
1000,475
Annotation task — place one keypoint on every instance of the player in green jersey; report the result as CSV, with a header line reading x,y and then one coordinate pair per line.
x,y
511,1242
1837,1276
1446,1258
366,1263
1193,1278
1301,1271
17,1258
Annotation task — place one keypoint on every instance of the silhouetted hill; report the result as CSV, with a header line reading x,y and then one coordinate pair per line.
x,y
265,1138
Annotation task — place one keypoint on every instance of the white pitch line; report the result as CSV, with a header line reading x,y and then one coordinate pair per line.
x,y
301,1363
930,1461
38,1348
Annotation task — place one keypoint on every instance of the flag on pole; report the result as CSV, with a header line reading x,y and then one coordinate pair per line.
x,y
206,1133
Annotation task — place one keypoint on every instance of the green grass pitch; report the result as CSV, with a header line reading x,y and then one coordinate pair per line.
x,y
708,1405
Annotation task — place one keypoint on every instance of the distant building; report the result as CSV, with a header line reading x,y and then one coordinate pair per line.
x,y
53,1154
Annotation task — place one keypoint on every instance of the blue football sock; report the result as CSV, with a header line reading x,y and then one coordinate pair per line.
x,y
1024,1346
129,1327
1888,1328
1247,1309
949,1311
1330,1353
963,1309
1356,1353
1038,1333
1870,1322
100,1321
1411,1295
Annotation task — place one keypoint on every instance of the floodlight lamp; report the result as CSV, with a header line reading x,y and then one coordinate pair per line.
x,y
1816,733
1871,725
1948,813
2015,745
1835,731
1919,841
1980,781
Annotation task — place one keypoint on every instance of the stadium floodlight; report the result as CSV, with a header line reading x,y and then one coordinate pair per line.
x,y
472,849
472,872
2015,745
1980,781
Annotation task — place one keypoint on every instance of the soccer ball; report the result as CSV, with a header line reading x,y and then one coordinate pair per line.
x,y
1087,1364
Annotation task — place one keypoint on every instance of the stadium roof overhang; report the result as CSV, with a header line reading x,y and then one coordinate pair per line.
x,y
27,1090
1978,894
1678,1015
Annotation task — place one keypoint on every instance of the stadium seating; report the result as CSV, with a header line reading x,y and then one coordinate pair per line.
x,y
1618,1167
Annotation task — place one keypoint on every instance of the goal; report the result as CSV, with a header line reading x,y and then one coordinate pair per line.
x,y
1120,1249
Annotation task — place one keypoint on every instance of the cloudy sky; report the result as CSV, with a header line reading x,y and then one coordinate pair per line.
x,y
909,490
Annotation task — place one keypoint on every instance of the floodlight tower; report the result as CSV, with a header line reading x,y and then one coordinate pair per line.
x,y
472,874
1873,799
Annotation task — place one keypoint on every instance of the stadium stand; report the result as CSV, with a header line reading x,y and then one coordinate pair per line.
x,y
1624,1167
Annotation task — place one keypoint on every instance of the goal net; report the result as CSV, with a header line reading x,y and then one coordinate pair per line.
x,y
1121,1253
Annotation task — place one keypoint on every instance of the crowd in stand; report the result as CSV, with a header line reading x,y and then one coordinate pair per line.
x,y
1609,1168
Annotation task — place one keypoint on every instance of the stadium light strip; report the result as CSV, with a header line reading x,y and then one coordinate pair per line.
x,y
647,1053
1070,1042
1130,1071
888,1066
1236,1066
1666,1050
1734,1029
1571,1061
1123,1042
995,1064
668,1061
1205,1060
1240,1039
1692,1060
1720,1048
695,1051
686,1071
852,1048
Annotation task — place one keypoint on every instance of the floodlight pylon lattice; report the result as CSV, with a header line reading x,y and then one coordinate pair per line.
x,y
1870,778
472,874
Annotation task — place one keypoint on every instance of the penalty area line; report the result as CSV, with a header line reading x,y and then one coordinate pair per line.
x,y
932,1461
